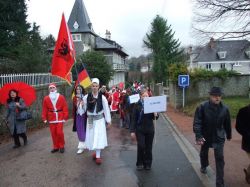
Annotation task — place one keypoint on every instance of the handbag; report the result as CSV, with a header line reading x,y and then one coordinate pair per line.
x,y
24,115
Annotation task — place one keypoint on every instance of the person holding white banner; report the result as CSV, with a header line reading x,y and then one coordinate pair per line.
x,y
142,129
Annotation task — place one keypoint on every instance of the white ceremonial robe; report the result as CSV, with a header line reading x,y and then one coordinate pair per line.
x,y
96,134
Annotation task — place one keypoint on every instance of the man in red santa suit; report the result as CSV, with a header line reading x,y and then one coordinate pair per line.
x,y
55,112
115,100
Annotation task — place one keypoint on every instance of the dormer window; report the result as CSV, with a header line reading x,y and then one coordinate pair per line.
x,y
247,53
222,54
76,25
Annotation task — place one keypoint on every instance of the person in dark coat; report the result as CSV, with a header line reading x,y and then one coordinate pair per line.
x,y
142,129
243,127
212,124
15,104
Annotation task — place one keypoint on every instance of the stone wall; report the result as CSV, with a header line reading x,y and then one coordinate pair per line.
x,y
232,86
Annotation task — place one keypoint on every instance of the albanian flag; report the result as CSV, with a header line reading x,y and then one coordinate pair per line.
x,y
64,53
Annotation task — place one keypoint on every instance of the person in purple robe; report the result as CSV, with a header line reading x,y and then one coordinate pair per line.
x,y
79,117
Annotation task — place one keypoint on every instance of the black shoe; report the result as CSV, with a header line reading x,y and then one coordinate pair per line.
x,y
140,167
54,150
203,170
147,167
61,150
16,146
25,142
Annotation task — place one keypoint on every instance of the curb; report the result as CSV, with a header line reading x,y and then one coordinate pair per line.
x,y
192,154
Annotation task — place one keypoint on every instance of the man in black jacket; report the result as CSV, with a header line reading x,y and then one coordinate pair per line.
x,y
211,126
243,127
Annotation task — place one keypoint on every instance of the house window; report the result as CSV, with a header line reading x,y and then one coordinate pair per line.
x,y
237,64
208,66
222,54
223,66
76,37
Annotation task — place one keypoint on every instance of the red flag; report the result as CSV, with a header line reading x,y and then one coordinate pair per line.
x,y
64,53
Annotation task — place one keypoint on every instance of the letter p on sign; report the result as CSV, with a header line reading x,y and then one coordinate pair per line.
x,y
183,80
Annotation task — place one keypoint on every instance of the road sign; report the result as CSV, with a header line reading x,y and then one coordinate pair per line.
x,y
183,80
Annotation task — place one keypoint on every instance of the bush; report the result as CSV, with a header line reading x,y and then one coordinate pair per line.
x,y
198,74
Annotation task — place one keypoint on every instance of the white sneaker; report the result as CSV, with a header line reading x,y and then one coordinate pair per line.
x,y
80,151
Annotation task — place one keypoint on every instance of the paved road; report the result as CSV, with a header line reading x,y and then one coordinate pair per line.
x,y
34,165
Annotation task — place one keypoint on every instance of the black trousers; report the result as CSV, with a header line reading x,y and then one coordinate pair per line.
x,y
144,148
219,161
16,138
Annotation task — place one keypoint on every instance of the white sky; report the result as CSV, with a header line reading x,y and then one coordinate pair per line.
x,y
127,20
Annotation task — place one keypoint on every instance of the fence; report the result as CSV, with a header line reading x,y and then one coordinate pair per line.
x,y
34,79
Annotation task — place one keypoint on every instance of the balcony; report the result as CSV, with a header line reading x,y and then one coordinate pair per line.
x,y
120,67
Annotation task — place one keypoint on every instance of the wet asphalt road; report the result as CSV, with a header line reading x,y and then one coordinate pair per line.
x,y
34,165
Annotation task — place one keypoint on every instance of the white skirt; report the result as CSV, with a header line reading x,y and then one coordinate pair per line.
x,y
96,136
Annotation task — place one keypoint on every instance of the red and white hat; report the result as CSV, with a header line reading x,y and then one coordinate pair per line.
x,y
52,85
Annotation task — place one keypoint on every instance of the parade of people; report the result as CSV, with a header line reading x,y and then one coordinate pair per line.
x,y
125,94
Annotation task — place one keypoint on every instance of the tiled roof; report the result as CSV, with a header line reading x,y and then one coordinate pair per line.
x,y
235,51
102,43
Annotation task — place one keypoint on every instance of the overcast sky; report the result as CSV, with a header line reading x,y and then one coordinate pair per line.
x,y
127,20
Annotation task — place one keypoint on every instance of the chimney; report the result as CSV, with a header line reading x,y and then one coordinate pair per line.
x,y
212,43
108,35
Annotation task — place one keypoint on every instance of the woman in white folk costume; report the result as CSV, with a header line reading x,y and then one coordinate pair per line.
x,y
98,115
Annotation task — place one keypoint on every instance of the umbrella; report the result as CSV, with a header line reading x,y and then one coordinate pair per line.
x,y
25,91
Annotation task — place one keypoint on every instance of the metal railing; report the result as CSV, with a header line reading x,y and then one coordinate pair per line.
x,y
120,67
33,79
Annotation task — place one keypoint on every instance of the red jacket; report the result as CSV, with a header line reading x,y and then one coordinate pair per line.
x,y
115,101
55,114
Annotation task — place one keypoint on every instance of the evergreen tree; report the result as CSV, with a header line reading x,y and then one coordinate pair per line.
x,y
96,65
13,26
165,49
21,46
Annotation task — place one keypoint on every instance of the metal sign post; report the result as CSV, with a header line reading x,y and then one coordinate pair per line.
x,y
183,81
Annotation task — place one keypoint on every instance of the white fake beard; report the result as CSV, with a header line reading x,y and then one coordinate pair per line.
x,y
53,95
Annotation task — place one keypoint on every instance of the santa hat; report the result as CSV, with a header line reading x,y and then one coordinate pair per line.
x,y
52,85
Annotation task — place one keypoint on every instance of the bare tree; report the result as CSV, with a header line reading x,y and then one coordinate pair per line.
x,y
222,19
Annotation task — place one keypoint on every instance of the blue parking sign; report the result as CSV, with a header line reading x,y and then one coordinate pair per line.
x,y
183,80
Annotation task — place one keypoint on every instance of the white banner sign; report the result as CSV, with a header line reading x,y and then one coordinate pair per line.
x,y
155,104
134,98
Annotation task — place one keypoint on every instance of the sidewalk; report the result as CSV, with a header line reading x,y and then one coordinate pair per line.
x,y
235,157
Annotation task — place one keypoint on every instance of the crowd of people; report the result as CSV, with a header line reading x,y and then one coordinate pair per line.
x,y
91,117
92,113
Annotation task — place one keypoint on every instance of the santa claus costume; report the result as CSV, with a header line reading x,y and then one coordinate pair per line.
x,y
55,112
115,99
